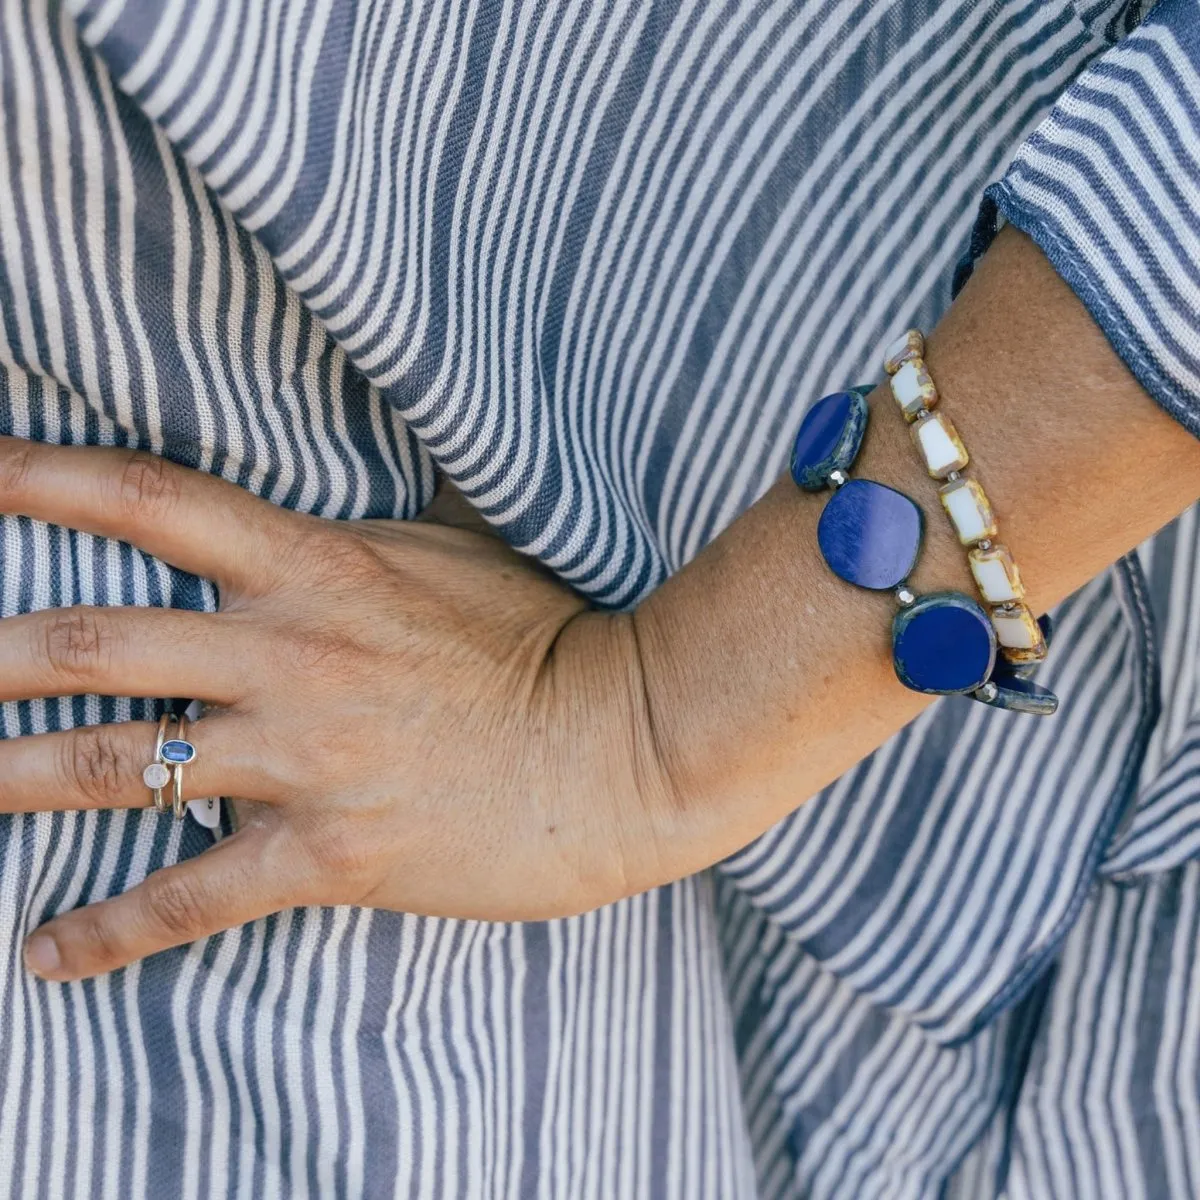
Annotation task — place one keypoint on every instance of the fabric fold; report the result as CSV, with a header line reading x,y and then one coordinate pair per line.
x,y
1109,188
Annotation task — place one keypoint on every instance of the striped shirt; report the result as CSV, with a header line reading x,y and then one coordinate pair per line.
x,y
590,261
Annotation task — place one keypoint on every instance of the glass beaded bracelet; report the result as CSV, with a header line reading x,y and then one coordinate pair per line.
x,y
1021,639
943,643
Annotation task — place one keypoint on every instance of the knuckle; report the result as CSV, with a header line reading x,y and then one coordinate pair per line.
x,y
344,855
77,643
16,466
344,558
334,656
93,766
176,906
148,486
98,943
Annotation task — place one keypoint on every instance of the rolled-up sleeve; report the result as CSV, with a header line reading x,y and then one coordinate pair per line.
x,y
1109,188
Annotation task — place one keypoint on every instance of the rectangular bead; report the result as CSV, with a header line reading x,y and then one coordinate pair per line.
x,y
1019,634
907,345
996,575
940,445
967,505
913,389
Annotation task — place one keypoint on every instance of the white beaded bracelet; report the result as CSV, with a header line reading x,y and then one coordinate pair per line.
x,y
996,575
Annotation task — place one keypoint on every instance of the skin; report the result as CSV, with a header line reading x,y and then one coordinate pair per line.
x,y
416,718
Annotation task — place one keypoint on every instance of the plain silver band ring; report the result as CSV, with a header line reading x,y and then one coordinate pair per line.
x,y
177,773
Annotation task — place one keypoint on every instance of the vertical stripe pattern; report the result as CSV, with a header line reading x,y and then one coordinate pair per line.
x,y
591,260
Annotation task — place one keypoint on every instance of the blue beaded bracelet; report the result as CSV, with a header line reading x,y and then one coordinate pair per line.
x,y
870,535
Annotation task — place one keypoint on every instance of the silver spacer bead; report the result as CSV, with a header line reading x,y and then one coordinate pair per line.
x,y
953,475
987,692
836,478
983,544
904,597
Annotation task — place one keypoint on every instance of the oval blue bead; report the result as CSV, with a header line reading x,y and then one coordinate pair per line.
x,y
942,644
829,439
176,751
870,534
1016,694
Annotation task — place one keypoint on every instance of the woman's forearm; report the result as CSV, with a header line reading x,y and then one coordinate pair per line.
x,y
419,719
767,677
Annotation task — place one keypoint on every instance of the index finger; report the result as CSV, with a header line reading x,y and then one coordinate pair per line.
x,y
193,521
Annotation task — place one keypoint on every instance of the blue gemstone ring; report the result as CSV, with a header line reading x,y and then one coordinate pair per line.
x,y
177,752
171,755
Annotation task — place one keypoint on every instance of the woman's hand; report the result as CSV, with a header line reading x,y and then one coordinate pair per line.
x,y
425,721
416,717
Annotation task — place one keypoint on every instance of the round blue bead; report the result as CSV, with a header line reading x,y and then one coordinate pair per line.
x,y
870,534
942,644
829,439
175,750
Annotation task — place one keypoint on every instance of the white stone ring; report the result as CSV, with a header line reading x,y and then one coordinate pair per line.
x,y
171,755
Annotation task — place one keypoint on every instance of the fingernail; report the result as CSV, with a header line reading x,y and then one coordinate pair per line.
x,y
41,954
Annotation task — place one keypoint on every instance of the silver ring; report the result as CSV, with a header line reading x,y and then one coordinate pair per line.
x,y
157,775
178,751
171,755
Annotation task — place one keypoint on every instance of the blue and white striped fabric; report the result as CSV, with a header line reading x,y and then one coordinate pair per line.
x,y
590,260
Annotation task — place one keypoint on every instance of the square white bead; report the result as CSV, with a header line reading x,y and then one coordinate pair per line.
x,y
907,345
996,575
1013,632
1019,634
967,506
913,388
940,445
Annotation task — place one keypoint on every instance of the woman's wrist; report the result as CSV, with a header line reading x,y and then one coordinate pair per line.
x,y
767,677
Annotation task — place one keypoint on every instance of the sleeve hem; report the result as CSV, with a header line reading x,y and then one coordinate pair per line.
x,y
1000,200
